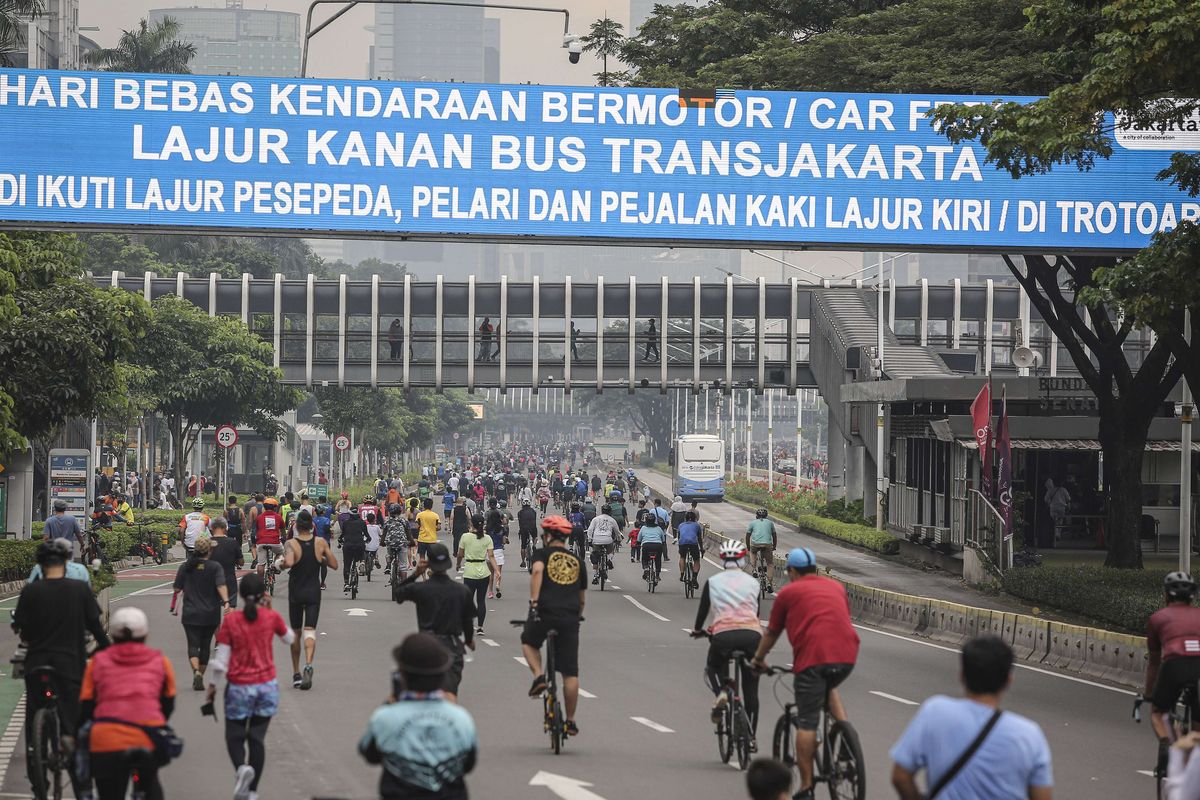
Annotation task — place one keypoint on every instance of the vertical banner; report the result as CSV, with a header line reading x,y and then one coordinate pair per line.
x,y
981,414
1004,456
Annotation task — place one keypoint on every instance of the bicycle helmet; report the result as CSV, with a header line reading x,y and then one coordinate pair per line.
x,y
556,526
368,499
55,551
1179,585
345,495
801,558
198,504
732,550
761,513
270,502
504,504
394,510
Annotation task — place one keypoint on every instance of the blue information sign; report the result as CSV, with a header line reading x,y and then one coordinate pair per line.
x,y
560,163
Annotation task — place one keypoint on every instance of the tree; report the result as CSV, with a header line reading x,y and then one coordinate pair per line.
x,y
12,26
648,413
61,337
1132,60
146,49
603,40
205,371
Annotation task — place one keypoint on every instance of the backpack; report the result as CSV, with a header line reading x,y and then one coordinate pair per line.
x,y
234,517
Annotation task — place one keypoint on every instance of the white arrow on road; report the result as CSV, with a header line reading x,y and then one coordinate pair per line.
x,y
566,788
357,612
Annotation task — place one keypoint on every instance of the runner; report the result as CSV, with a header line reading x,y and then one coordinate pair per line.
x,y
477,550
252,694
429,523
202,584
303,556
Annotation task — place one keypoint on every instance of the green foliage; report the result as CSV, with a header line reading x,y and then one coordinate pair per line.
x,y
17,557
102,579
920,45
604,40
784,502
1108,597
146,49
13,27
844,511
861,535
196,255
60,336
392,420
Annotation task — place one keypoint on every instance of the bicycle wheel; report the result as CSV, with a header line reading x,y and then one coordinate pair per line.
x,y
847,772
48,765
603,578
741,734
689,577
553,722
782,748
725,734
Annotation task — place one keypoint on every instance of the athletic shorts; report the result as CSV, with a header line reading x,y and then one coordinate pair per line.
x,y
245,700
423,549
303,615
265,551
694,549
499,555
566,642
1173,676
811,685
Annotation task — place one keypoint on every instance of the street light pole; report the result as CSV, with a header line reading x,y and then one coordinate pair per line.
x,y
310,31
1185,464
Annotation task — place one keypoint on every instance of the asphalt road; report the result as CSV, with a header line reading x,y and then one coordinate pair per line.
x,y
644,725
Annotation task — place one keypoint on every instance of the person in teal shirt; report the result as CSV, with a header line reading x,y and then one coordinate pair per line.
x,y
761,541
75,570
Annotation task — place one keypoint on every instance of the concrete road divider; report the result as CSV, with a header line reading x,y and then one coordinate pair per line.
x,y
1105,655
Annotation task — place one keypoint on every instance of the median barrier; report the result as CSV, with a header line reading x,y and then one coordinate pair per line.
x,y
947,621
1030,638
904,612
1067,646
1117,657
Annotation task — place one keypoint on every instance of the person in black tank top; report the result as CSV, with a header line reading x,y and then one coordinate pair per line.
x,y
303,556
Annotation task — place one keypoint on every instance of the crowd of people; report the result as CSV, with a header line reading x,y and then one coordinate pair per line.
x,y
544,509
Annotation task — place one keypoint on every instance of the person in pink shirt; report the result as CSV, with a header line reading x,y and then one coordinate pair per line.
x,y
245,657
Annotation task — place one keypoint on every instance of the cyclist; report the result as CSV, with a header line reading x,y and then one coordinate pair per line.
x,y
128,687
268,529
194,525
602,537
663,516
353,541
1173,642
616,509
652,542
51,617
579,525
557,584
425,743
761,541
374,539
543,498
527,527
303,556
688,538
395,537
732,599
815,612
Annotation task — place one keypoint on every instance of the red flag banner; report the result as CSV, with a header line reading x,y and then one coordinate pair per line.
x,y
981,413
1004,460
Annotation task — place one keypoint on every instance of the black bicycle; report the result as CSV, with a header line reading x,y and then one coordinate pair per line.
x,y
602,565
839,758
734,732
689,576
49,761
1179,724
352,585
762,572
652,568
554,721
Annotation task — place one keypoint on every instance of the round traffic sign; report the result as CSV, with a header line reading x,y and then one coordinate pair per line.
x,y
456,436
341,442
227,436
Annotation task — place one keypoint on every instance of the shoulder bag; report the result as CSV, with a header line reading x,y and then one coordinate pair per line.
x,y
952,773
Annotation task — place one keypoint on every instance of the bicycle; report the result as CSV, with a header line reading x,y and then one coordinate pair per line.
x,y
734,732
1179,723
652,568
353,583
146,545
689,576
602,565
839,757
763,573
49,760
554,721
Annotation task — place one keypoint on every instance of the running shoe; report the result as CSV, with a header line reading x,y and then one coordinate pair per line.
x,y
197,681
306,681
718,708
498,595
571,728
297,680
241,784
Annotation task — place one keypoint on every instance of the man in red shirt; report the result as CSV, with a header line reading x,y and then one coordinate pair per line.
x,y
815,612
268,528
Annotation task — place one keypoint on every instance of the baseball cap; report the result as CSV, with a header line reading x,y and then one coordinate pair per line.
x,y
800,558
129,622
438,558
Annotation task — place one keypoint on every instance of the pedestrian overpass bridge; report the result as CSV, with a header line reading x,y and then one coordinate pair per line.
x,y
724,335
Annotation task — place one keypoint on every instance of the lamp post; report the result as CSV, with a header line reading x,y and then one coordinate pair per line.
x,y
571,43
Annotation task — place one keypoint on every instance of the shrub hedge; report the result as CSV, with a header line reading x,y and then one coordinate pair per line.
x,y
1124,598
17,557
861,535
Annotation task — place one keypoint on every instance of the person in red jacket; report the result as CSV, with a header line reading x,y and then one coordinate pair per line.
x,y
126,687
268,530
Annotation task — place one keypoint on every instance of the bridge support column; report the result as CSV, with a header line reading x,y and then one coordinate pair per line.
x,y
870,492
855,456
837,463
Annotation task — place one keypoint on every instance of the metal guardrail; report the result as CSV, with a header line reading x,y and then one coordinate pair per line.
x,y
984,530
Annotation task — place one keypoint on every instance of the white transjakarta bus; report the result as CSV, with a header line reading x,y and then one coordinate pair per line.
x,y
699,470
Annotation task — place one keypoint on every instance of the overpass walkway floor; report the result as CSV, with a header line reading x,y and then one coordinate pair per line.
x,y
852,564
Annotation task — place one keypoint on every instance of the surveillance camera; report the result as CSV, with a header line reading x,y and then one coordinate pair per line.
x,y
574,47
573,56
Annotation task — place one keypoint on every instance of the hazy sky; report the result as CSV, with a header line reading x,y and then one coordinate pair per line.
x,y
530,47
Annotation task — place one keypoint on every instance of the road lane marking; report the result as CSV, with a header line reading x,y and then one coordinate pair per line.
x,y
521,660
15,725
587,694
143,591
1019,665
887,696
489,642
654,614
1146,772
565,788
652,725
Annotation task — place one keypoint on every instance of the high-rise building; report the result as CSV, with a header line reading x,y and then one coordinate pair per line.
x,y
435,43
51,39
238,41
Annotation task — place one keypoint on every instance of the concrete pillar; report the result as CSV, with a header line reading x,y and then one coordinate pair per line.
x,y
870,492
837,463
854,472
19,493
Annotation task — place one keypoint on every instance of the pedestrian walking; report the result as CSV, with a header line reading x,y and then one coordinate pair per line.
x,y
651,342
477,549
201,581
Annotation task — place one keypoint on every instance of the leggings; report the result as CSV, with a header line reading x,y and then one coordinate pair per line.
x,y
252,731
111,773
199,640
350,557
478,587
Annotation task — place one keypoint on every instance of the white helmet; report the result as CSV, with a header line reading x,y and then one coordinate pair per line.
x,y
732,550
128,622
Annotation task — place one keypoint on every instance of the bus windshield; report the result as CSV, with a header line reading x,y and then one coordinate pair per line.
x,y
699,451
